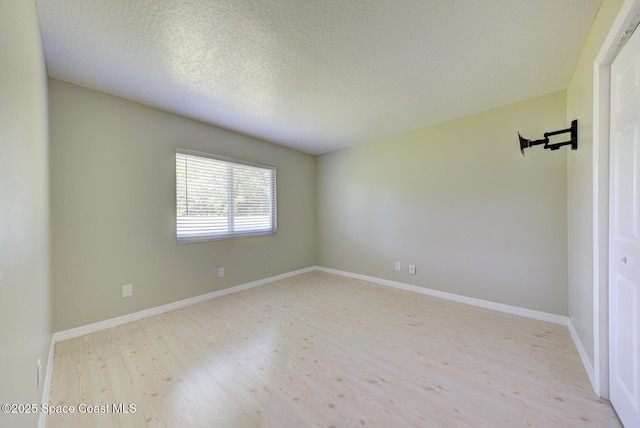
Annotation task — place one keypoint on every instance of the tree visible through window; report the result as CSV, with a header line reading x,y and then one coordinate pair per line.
x,y
220,198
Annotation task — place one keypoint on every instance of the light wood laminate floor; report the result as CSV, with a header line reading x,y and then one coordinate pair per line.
x,y
319,350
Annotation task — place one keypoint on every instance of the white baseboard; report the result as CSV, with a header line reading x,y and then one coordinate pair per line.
x,y
514,310
135,316
42,420
586,362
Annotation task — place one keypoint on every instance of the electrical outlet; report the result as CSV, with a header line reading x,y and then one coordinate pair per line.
x,y
38,373
127,290
412,269
398,266
220,272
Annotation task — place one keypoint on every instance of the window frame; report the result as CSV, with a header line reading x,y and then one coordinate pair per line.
x,y
228,235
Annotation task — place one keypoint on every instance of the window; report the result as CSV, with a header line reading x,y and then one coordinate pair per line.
x,y
220,198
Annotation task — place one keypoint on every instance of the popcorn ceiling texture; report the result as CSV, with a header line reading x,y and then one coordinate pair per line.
x,y
317,75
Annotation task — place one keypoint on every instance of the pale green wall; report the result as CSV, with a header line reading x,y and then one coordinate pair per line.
x,y
459,201
113,208
25,326
580,170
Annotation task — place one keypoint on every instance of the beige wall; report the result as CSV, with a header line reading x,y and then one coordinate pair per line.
x,y
113,208
458,200
580,170
25,326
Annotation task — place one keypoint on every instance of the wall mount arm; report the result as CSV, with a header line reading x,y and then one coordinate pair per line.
x,y
573,141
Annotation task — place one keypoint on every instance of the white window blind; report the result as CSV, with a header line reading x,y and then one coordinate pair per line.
x,y
219,198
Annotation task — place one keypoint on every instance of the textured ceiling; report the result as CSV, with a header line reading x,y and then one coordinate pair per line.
x,y
317,75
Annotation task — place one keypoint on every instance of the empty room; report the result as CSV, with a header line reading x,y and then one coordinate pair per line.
x,y
286,213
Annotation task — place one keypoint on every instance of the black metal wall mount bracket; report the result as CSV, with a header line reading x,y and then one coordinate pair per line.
x,y
573,131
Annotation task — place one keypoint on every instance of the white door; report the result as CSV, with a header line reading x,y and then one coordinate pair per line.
x,y
624,262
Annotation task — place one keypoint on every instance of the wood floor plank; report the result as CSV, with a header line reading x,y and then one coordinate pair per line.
x,y
323,350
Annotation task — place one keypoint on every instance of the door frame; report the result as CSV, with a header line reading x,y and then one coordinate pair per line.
x,y
601,111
